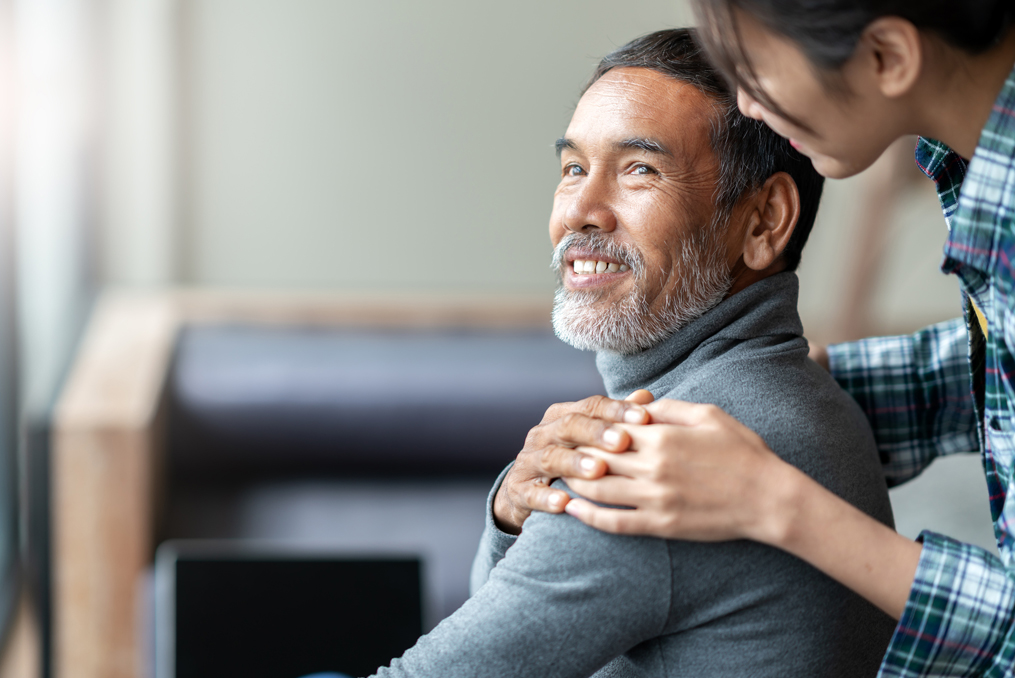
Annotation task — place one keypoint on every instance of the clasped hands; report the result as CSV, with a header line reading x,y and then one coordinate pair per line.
x,y
686,471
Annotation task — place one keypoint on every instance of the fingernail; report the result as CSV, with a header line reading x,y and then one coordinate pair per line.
x,y
572,508
588,464
634,415
611,436
555,501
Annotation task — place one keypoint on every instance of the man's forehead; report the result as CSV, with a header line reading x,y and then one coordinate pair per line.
x,y
639,103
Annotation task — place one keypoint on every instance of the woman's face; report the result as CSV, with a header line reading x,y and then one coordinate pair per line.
x,y
842,132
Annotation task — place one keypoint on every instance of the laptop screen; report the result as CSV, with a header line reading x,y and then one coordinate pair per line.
x,y
285,615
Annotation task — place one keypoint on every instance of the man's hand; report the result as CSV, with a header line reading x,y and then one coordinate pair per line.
x,y
549,454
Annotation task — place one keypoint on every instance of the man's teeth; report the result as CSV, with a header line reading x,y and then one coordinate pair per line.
x,y
591,266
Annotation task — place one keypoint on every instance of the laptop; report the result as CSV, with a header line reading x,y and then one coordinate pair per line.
x,y
262,610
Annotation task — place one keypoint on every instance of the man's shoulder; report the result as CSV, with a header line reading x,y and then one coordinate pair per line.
x,y
757,376
560,548
800,411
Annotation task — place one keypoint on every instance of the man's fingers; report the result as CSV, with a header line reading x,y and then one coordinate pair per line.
x,y
628,464
630,411
617,521
546,499
576,429
558,461
601,407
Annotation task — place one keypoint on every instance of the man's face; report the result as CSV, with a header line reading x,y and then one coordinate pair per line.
x,y
635,199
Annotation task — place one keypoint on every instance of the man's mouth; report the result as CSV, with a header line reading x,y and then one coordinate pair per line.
x,y
586,269
594,262
596,267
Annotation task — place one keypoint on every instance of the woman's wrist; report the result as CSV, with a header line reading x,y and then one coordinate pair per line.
x,y
819,527
781,494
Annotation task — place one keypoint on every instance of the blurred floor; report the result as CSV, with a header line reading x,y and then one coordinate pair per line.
x,y
950,497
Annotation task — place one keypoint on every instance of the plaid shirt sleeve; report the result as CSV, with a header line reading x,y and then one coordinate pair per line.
x,y
915,390
959,617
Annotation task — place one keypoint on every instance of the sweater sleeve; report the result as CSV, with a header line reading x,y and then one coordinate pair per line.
x,y
493,544
564,601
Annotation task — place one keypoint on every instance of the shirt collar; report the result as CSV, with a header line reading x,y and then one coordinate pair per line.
x,y
975,195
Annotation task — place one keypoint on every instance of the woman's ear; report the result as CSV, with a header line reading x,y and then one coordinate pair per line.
x,y
777,208
894,50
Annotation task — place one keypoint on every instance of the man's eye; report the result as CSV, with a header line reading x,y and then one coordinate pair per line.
x,y
642,169
573,170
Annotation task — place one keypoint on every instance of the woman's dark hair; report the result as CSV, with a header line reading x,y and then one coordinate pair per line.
x,y
827,31
747,150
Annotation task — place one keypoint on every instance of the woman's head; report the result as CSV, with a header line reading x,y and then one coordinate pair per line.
x,y
838,76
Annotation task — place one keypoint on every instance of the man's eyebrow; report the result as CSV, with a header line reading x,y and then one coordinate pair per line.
x,y
563,143
645,144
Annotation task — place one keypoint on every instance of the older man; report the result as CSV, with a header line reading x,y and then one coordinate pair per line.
x,y
676,225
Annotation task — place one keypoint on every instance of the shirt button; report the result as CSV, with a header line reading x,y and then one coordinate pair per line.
x,y
995,423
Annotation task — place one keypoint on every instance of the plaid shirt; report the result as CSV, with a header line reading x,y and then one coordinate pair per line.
x,y
950,389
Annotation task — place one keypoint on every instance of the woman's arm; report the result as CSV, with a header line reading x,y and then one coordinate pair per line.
x,y
915,391
699,474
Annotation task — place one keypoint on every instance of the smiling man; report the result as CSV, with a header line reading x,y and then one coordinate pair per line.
x,y
677,225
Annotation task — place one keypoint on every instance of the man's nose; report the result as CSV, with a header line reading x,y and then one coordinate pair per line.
x,y
748,105
591,208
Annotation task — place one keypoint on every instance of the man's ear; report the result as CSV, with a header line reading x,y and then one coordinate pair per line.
x,y
777,208
893,49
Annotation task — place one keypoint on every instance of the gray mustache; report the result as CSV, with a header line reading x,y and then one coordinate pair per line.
x,y
601,244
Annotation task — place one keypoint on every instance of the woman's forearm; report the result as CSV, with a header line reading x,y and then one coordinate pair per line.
x,y
845,543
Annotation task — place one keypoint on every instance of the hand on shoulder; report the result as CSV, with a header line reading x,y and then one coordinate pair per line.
x,y
550,453
694,473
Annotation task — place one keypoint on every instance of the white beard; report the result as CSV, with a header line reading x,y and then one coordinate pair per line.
x,y
583,320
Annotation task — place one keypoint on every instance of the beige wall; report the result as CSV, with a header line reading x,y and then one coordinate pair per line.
x,y
909,289
384,144
398,145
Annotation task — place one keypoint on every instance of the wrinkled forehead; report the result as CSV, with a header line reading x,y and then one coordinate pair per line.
x,y
642,103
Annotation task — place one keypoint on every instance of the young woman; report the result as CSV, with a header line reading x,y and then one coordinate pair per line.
x,y
842,79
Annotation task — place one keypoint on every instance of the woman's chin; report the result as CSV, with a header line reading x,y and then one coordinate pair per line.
x,y
838,168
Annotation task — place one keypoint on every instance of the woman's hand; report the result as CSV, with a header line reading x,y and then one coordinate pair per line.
x,y
695,473
549,453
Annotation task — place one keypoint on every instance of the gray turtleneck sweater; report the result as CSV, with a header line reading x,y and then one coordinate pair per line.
x,y
564,599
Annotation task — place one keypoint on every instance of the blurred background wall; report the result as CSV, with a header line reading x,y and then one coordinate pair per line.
x,y
337,146
391,145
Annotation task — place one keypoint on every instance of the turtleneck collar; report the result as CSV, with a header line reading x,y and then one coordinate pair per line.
x,y
767,308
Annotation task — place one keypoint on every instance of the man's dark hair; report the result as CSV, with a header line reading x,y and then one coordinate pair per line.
x,y
748,151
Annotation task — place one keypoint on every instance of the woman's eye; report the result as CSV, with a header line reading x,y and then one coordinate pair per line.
x,y
642,169
573,170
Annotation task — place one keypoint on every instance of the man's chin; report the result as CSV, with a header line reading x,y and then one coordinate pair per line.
x,y
593,321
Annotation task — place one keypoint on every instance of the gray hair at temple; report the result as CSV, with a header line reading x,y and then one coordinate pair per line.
x,y
748,151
